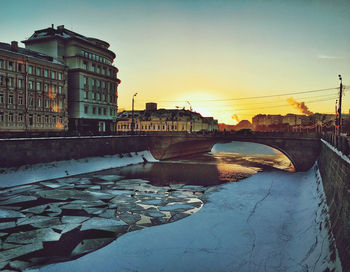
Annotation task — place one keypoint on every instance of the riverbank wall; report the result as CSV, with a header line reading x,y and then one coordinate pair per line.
x,y
18,152
335,172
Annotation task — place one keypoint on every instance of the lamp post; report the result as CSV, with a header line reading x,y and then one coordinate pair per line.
x,y
132,115
340,100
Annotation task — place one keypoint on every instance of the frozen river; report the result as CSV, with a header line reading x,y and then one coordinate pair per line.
x,y
238,213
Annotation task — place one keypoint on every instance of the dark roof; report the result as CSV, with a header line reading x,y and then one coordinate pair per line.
x,y
29,53
63,33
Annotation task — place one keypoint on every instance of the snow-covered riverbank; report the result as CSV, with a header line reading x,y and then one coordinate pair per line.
x,y
272,221
44,171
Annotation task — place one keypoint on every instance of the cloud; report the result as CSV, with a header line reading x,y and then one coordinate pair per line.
x,y
327,57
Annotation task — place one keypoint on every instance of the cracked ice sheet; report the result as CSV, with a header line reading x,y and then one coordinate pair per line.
x,y
279,235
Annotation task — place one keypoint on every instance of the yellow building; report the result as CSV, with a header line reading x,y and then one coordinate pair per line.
x,y
165,120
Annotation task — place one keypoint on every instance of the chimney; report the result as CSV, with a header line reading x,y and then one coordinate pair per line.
x,y
60,28
14,46
52,26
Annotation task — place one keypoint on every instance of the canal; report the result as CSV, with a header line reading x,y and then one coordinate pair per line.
x,y
240,207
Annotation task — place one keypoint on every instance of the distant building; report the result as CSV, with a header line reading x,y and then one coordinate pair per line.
x,y
33,91
165,120
92,78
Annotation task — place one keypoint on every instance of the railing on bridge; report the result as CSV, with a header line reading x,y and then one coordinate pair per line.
x,y
340,142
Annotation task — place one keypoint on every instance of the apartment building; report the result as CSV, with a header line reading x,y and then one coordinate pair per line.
x,y
33,91
165,120
92,77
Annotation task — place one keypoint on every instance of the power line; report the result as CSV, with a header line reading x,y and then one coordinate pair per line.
x,y
251,97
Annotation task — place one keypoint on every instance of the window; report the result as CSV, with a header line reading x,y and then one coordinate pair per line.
x,y
11,82
94,96
53,88
86,109
93,110
39,102
47,103
46,87
93,68
10,99
20,83
31,101
20,118
20,67
46,119
99,110
60,76
104,71
38,118
46,73
10,65
103,84
30,85
20,100
38,86
85,80
104,111
1,117
110,111
30,69
98,96
38,71
60,89
98,69
2,80
53,74
1,63
98,83
10,117
84,65
1,98
86,94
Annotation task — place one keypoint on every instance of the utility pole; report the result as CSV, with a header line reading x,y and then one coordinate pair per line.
x,y
132,115
340,99
336,118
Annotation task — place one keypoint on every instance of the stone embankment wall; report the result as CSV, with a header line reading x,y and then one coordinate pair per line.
x,y
16,152
335,171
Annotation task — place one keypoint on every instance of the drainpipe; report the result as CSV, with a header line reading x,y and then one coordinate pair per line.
x,y
26,95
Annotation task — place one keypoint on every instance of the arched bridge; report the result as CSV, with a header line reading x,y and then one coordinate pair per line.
x,y
302,150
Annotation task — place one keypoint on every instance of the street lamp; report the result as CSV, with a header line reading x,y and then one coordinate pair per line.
x,y
132,115
340,101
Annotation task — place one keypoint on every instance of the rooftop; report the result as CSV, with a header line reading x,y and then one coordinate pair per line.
x,y
13,48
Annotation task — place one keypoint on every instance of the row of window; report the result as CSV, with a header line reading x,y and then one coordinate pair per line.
x,y
32,119
38,71
100,97
31,84
98,110
55,105
151,127
97,69
95,57
92,82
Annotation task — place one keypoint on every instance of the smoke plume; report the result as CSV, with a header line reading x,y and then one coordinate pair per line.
x,y
235,118
299,106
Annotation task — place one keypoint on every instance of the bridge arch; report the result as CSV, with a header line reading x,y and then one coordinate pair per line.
x,y
301,151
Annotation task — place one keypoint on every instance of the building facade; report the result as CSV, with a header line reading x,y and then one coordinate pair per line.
x,y
33,92
92,78
165,120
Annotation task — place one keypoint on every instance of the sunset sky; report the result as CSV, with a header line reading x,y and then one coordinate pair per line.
x,y
209,52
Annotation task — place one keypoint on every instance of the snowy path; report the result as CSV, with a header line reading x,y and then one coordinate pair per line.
x,y
272,221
